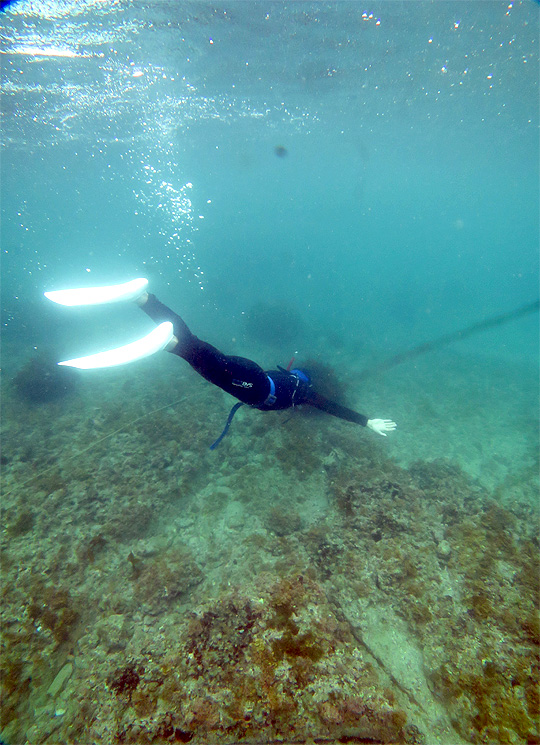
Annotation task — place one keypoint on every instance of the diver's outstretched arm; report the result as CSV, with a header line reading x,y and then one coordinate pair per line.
x,y
380,426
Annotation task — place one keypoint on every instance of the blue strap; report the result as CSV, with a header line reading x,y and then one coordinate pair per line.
x,y
270,401
226,429
271,398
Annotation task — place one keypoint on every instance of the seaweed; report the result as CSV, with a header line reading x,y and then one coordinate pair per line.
x,y
125,680
42,380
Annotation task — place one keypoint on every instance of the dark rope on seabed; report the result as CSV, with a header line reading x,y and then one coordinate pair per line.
x,y
442,341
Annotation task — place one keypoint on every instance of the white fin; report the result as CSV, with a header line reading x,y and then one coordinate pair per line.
x,y
153,342
99,295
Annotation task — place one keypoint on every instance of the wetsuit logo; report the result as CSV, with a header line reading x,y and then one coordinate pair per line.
x,y
242,384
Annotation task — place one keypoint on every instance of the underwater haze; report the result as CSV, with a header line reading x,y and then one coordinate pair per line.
x,y
342,183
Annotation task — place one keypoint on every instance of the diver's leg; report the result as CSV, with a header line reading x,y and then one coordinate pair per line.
x,y
240,377
159,312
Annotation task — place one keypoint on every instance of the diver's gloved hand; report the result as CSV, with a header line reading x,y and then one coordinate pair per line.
x,y
381,426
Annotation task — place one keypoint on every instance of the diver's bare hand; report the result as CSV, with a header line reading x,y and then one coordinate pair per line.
x,y
381,426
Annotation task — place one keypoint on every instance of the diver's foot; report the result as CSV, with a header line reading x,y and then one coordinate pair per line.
x,y
133,290
141,300
171,344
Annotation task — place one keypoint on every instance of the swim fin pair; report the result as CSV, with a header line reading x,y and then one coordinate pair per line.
x,y
155,341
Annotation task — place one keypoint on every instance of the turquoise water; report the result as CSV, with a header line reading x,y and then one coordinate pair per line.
x,y
407,201
371,172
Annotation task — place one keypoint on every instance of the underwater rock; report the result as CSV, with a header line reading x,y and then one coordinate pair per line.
x,y
271,664
111,632
444,550
60,680
283,521
161,580
42,380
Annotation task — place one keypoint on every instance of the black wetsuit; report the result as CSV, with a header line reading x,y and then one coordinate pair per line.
x,y
245,380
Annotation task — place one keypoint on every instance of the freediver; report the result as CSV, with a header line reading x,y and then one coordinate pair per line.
x,y
266,390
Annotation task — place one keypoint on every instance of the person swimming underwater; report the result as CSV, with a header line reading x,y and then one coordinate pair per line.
x,y
266,390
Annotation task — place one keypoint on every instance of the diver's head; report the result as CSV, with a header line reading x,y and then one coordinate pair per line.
x,y
301,375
